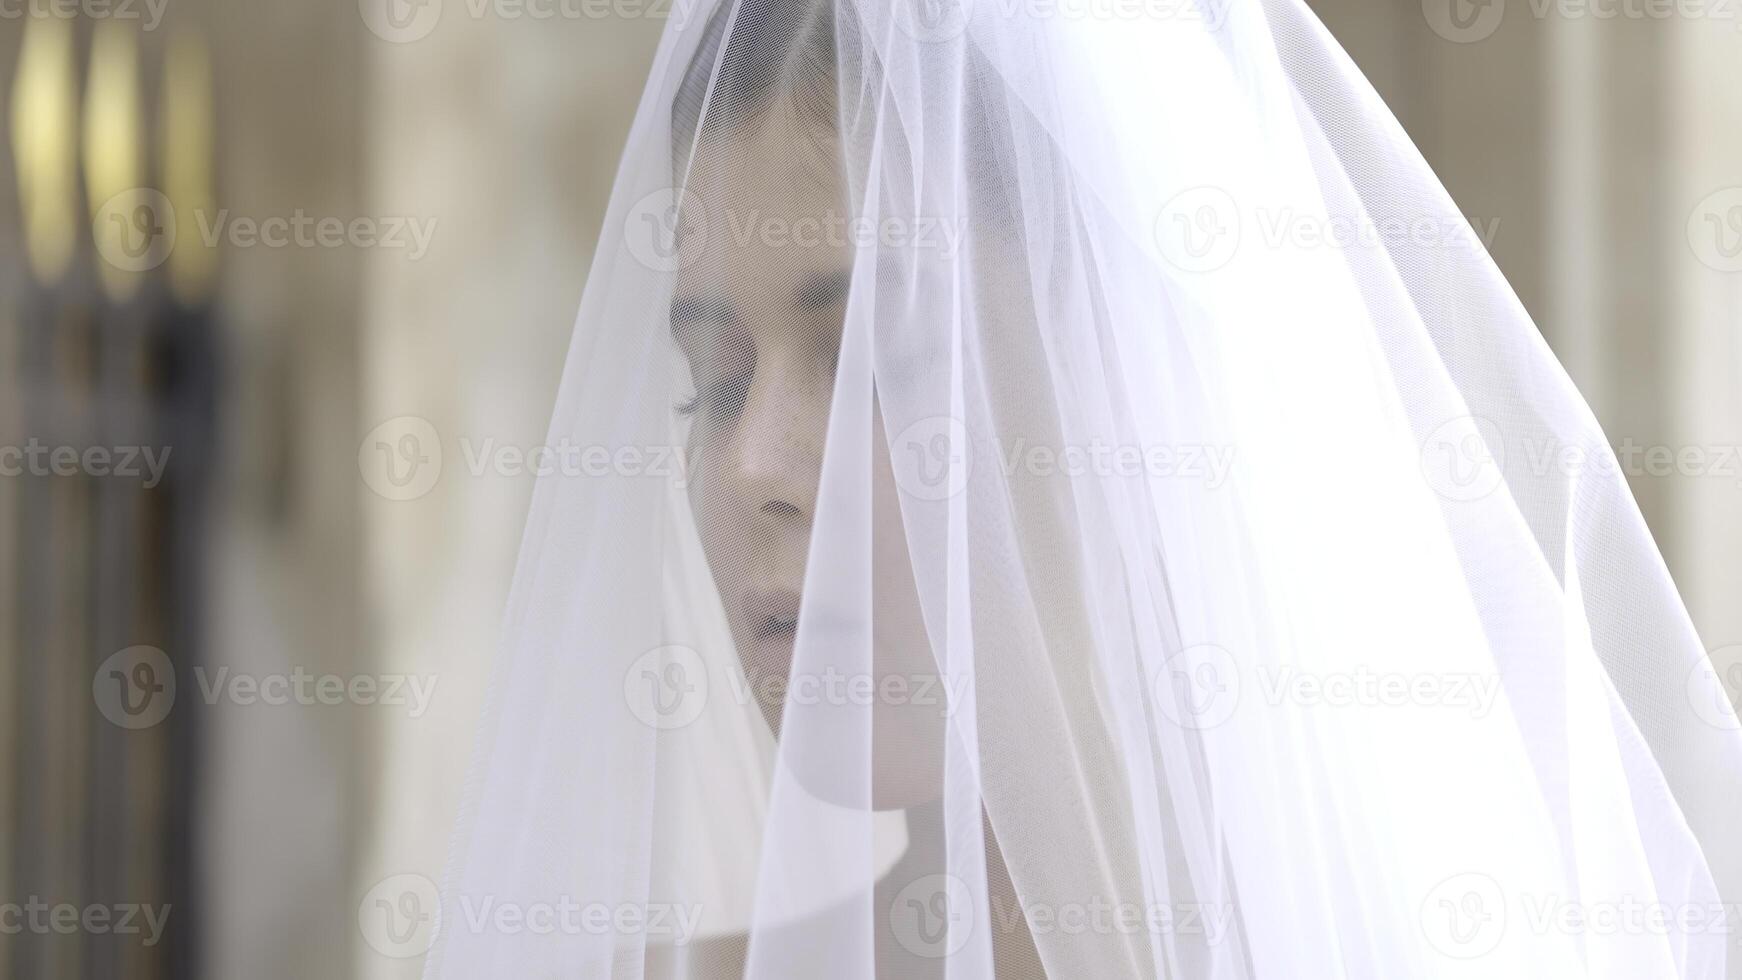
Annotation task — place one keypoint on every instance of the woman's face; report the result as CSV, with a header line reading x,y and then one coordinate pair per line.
x,y
758,315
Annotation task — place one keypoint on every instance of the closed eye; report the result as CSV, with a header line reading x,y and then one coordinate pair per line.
x,y
720,399
721,355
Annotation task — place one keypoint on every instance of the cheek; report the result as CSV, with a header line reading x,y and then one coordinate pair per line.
x,y
786,419
811,396
903,646
908,731
711,504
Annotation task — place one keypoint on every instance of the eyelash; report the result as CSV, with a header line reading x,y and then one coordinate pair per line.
x,y
714,395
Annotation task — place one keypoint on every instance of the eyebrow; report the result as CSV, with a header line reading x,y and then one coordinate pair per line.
x,y
821,290
686,311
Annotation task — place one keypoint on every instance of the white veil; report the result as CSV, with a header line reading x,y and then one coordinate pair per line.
x,y
1206,569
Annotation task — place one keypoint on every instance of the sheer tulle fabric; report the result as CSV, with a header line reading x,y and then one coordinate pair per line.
x,y
1162,579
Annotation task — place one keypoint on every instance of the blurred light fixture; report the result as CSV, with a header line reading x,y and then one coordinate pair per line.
x,y
43,114
126,220
185,144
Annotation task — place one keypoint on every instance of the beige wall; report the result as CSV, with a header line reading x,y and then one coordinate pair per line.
x,y
508,132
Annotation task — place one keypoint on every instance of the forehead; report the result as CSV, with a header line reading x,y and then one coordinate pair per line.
x,y
771,204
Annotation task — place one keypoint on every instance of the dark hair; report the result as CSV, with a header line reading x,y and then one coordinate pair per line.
x,y
776,48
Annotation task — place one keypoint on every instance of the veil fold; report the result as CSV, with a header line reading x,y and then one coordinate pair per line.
x,y
1204,568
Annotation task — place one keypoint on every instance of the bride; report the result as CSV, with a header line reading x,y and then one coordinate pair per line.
x,y
1107,543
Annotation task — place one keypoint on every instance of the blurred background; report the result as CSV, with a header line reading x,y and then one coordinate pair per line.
x,y
277,280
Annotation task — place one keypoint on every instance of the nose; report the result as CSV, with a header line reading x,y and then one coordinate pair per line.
x,y
777,449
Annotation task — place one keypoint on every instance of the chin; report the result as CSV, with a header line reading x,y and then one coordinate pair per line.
x,y
907,758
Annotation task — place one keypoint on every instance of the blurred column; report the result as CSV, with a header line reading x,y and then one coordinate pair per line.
x,y
506,130
97,791
14,279
54,312
282,784
1704,121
